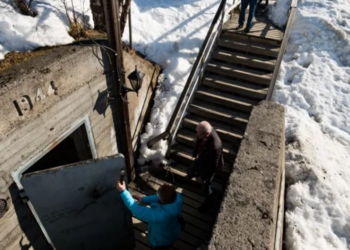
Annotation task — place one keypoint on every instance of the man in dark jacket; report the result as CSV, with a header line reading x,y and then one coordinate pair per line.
x,y
209,159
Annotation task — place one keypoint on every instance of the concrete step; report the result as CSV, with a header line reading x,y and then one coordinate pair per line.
x,y
232,101
225,132
251,47
247,38
242,58
250,75
241,88
219,114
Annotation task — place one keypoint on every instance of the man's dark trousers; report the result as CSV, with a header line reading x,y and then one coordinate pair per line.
x,y
244,5
162,248
193,171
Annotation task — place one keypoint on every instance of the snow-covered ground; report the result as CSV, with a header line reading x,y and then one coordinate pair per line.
x,y
314,86
171,34
48,28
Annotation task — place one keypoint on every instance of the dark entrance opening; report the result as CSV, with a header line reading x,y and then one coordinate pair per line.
x,y
72,149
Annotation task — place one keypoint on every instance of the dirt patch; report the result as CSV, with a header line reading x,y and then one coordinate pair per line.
x,y
15,58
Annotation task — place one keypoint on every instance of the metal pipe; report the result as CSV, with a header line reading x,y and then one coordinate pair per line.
x,y
130,29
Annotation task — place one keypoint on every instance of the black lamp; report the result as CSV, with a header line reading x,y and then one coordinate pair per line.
x,y
135,78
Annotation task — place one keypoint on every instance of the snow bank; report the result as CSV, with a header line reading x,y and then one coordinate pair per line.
x,y
314,86
169,33
278,12
48,28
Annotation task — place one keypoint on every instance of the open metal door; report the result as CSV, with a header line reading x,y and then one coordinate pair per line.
x,y
78,206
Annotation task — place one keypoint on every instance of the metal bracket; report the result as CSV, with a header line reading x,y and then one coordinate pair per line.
x,y
23,196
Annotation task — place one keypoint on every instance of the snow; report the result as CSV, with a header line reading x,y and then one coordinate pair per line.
x,y
314,87
169,33
48,28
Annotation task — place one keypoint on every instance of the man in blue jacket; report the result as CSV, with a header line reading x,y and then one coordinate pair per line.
x,y
162,216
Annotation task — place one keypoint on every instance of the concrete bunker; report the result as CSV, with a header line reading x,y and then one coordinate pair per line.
x,y
55,103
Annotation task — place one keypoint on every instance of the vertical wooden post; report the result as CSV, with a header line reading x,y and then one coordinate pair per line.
x,y
114,38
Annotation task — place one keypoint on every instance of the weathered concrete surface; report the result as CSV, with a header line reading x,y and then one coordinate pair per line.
x,y
138,105
248,215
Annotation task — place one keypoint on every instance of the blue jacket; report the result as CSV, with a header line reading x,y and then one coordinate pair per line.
x,y
163,225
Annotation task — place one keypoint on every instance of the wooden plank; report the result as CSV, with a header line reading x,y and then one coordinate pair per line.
x,y
259,77
226,133
261,28
188,151
248,38
188,138
234,102
140,246
253,48
220,114
294,3
239,87
252,61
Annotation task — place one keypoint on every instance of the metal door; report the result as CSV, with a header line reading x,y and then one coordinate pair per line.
x,y
78,206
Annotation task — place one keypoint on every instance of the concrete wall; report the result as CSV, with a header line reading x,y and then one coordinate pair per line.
x,y
39,101
249,211
139,105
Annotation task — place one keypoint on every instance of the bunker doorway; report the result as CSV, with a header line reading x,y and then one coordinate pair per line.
x,y
76,204
74,148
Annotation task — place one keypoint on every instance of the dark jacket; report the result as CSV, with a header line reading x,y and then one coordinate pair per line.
x,y
210,156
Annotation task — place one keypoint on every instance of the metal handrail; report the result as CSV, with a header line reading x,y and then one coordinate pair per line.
x,y
181,105
290,21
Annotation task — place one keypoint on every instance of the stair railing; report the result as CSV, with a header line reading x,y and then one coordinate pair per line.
x,y
193,80
292,11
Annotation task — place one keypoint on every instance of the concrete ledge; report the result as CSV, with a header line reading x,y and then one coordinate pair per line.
x,y
249,211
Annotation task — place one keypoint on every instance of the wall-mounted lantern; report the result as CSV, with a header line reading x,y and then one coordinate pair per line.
x,y
135,78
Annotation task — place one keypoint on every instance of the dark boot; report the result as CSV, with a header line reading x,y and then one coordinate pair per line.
x,y
206,205
239,27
